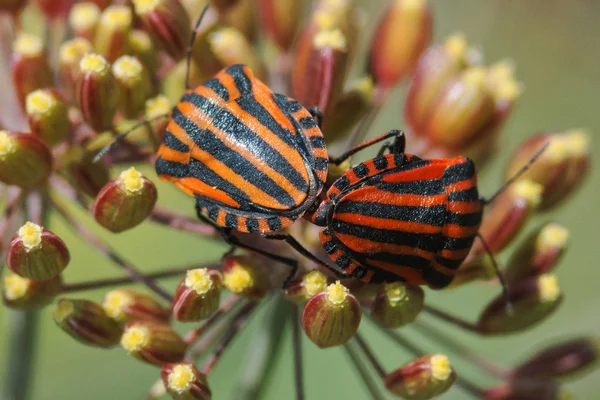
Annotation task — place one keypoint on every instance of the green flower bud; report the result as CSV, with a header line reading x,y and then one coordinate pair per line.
x,y
124,305
25,160
185,382
422,378
245,276
302,288
134,84
22,293
48,115
29,66
112,32
198,295
69,56
153,342
397,305
83,20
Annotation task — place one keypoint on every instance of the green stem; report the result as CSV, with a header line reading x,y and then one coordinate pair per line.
x,y
23,331
359,365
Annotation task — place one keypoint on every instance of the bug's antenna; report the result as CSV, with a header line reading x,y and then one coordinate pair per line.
x,y
188,53
122,136
517,175
509,307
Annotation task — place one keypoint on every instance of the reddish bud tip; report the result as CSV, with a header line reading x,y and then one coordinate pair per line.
x,y
398,304
124,305
23,293
422,378
48,115
185,382
25,160
152,342
197,295
245,276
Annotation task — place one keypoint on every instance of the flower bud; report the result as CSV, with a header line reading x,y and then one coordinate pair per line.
x,y
185,382
397,305
438,65
36,253
124,305
168,21
22,293
229,46
97,92
401,36
69,56
112,33
279,20
532,300
422,378
303,288
12,6
560,169
87,175
54,9
25,160
508,214
331,318
475,267
142,47
134,85
539,253
86,322
245,276
198,295
563,359
48,115
83,20
30,69
527,390
155,107
125,202
153,342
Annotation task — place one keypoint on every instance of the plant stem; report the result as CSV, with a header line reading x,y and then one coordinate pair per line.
x,y
297,343
461,323
23,331
362,371
370,355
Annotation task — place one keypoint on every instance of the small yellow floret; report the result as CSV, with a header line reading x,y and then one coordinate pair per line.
x,y
577,142
553,235
227,42
395,292
158,105
135,338
548,288
31,235
199,280
118,17
73,50
132,180
15,286
365,86
440,367
181,378
94,63
327,18
140,41
39,102
28,45
62,310
128,69
557,149
337,293
144,6
475,76
333,38
115,301
238,279
6,144
456,45
314,282
411,5
84,15
529,190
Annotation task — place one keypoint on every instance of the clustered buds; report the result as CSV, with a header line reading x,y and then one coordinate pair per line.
x,y
332,317
153,342
69,56
125,202
398,304
112,33
30,69
185,382
25,160
134,84
23,293
86,322
198,295
423,378
124,305
245,276
48,115
306,286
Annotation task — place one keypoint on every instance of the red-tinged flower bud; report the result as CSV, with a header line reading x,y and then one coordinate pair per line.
x,y
242,17
348,109
153,342
508,215
397,305
245,276
185,382
331,318
400,38
36,253
438,65
560,169
279,20
12,6
69,56
124,305
55,9
134,85
475,267
87,175
30,69
86,322
125,202
142,47
527,390
83,20
539,253
25,160
532,300
198,295
112,32
48,115
168,21
155,107
303,288
325,72
229,46
97,92
421,379
22,293
561,360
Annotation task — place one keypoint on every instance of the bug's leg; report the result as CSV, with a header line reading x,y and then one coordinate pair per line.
x,y
505,293
188,52
317,114
300,249
397,146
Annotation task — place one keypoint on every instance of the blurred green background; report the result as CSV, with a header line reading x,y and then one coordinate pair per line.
x,y
556,47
